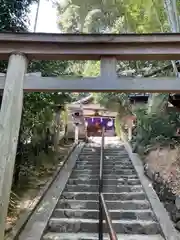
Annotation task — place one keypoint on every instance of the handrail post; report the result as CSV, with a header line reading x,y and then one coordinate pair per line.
x,y
101,187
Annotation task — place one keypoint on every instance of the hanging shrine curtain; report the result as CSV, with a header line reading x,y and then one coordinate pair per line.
x,y
99,122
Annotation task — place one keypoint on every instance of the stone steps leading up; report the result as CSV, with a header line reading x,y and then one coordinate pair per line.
x,y
76,214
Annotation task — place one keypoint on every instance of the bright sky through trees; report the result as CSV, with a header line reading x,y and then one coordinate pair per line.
x,y
47,17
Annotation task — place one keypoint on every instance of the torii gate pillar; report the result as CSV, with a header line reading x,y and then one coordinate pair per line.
x,y
10,118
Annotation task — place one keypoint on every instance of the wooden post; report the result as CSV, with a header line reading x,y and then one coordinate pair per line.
x,y
76,138
108,69
10,117
129,133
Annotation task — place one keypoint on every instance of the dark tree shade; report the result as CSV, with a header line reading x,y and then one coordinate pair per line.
x,y
13,15
13,18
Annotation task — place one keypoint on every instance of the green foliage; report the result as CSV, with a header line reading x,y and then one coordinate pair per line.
x,y
118,127
122,16
38,114
13,18
48,68
117,16
69,19
91,69
38,108
157,128
13,15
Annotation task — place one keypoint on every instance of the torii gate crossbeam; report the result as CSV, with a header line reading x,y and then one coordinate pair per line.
x,y
21,47
45,46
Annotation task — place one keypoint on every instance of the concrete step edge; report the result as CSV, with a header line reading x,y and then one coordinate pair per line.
x,y
109,179
110,193
108,175
110,210
94,236
105,186
91,221
107,201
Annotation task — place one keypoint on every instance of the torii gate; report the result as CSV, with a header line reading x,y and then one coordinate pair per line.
x,y
21,47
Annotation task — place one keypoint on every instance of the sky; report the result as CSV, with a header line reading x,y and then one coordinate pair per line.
x,y
46,19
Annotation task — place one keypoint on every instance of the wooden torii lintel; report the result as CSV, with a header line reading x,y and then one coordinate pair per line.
x,y
43,46
107,81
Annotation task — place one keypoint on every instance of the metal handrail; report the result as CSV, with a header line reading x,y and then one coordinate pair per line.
x,y
112,233
101,187
102,204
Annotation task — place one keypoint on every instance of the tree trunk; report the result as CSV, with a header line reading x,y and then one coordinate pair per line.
x,y
57,130
18,160
66,134
157,103
47,141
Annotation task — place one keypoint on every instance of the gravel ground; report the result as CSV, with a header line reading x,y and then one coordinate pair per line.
x,y
167,163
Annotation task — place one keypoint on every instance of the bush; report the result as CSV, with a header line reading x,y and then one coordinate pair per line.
x,y
157,128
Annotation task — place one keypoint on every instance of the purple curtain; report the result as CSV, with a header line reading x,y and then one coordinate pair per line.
x,y
102,121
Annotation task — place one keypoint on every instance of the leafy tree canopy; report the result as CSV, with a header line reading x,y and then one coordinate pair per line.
x,y
13,15
121,16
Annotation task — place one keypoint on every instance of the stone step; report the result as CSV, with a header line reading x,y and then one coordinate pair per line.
x,y
105,162
91,149
106,148
95,181
105,176
70,225
117,150
90,153
94,214
95,156
94,236
106,171
116,155
107,151
105,166
111,205
106,154
123,196
77,211
106,188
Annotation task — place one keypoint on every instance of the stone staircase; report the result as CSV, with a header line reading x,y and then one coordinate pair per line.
x,y
76,214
